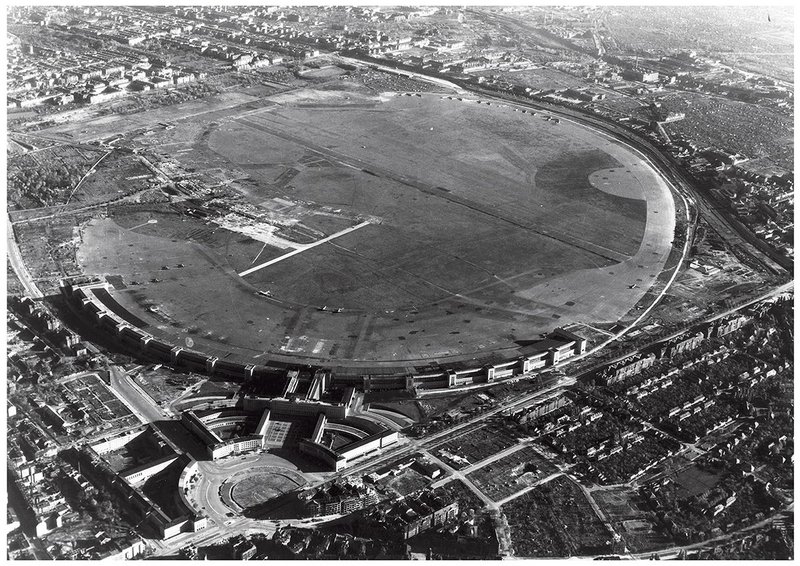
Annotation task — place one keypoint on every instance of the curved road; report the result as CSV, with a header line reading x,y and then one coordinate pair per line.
x,y
15,258
140,403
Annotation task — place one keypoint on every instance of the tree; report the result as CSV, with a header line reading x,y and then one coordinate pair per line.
x,y
361,548
105,510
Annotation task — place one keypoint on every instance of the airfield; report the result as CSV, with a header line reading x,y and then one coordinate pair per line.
x,y
391,229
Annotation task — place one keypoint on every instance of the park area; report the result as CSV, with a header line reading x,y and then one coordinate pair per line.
x,y
511,474
473,446
47,177
556,520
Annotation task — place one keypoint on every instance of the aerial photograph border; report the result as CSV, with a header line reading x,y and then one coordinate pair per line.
x,y
425,281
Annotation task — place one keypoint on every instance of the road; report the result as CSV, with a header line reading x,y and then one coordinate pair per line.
x,y
488,502
213,534
595,507
148,411
209,498
139,402
435,80
206,495
730,229
604,131
675,551
15,258
780,289
89,172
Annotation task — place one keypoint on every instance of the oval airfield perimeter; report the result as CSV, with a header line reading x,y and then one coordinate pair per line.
x,y
382,230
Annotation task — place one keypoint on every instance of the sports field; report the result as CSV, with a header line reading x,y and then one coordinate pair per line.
x,y
391,229
259,488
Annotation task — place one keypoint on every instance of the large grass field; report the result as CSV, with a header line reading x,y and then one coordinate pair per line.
x,y
259,488
487,226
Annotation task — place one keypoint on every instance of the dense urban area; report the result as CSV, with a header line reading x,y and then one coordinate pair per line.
x,y
666,432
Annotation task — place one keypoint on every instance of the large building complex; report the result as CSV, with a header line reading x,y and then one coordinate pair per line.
x,y
96,301
337,433
166,512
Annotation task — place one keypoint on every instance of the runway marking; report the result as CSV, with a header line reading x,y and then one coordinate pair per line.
x,y
261,251
304,248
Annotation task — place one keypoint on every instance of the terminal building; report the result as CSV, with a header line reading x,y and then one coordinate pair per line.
x,y
94,302
209,425
305,416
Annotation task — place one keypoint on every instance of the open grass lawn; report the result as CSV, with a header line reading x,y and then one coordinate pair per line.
x,y
695,481
258,488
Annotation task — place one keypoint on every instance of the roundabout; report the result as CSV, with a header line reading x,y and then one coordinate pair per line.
x,y
225,489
